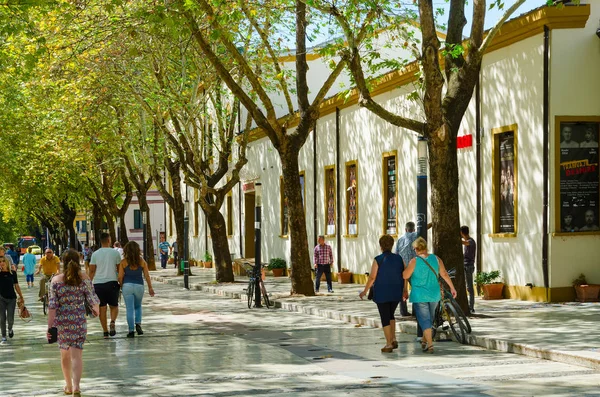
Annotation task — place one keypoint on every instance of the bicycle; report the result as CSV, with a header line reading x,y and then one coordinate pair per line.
x,y
252,275
448,314
452,274
46,297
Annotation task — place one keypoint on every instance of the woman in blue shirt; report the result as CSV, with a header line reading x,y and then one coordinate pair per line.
x,y
388,289
424,271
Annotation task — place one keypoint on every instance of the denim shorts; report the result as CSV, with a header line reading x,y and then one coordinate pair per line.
x,y
425,312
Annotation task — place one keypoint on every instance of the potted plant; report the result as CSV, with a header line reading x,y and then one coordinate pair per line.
x,y
345,276
585,292
277,266
207,260
490,283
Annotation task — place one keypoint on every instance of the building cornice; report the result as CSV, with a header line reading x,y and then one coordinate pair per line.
x,y
513,31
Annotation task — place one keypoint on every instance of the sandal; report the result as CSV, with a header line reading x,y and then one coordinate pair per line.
x,y
394,344
423,345
387,349
113,332
429,349
67,393
77,393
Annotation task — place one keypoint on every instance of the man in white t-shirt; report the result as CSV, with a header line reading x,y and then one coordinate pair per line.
x,y
103,273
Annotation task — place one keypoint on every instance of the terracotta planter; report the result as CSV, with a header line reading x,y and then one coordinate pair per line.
x,y
587,293
278,272
207,265
493,291
345,277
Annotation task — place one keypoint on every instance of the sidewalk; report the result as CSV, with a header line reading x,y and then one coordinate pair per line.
x,y
568,332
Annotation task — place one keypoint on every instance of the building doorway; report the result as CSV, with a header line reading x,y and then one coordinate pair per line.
x,y
249,202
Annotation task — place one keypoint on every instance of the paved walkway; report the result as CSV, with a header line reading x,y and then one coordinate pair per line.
x,y
568,332
201,344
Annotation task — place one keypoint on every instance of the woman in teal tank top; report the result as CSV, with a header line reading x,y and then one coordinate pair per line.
x,y
424,271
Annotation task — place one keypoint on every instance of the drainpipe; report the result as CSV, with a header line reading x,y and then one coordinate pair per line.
x,y
546,127
315,185
240,217
338,217
478,166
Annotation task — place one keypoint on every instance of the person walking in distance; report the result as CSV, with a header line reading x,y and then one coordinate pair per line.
x,y
29,263
163,247
87,255
103,273
49,265
405,250
66,312
323,260
470,250
175,253
132,272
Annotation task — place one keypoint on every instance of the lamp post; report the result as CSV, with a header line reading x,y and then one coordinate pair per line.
x,y
119,229
186,228
144,232
422,188
257,262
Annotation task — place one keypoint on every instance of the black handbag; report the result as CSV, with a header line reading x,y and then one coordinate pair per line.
x,y
370,294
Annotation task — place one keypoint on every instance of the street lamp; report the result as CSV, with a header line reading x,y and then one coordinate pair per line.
x,y
119,229
257,262
186,231
422,187
144,234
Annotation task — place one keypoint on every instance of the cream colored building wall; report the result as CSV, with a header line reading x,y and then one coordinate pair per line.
x,y
512,93
574,91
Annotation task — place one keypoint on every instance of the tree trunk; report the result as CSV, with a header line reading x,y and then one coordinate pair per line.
x,y
301,269
111,228
97,219
443,168
220,245
123,228
149,243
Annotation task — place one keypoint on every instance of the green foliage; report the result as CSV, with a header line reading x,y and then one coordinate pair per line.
x,y
580,280
487,277
8,232
207,257
277,263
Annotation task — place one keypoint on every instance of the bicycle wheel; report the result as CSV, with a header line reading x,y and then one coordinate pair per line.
x,y
455,322
250,293
266,300
461,314
45,304
437,321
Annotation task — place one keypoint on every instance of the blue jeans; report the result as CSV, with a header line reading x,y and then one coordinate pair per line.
x,y
425,312
163,261
29,278
133,294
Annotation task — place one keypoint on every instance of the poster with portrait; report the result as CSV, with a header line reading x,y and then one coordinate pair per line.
x,y
579,177
330,200
506,143
390,165
352,198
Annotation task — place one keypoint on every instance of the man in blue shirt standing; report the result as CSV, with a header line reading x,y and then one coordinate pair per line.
x,y
470,251
163,247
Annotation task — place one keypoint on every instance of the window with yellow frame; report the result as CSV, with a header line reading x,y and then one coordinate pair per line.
x,y
352,198
330,201
505,181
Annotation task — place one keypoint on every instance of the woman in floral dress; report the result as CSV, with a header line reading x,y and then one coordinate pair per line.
x,y
68,293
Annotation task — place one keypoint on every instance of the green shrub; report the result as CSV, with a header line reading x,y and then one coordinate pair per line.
x,y
207,257
276,263
487,277
580,280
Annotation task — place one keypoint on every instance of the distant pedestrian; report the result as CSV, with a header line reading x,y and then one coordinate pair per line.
x,y
323,260
8,258
118,248
9,284
405,250
164,248
103,273
175,251
29,262
424,271
132,272
470,251
389,288
66,312
14,255
87,255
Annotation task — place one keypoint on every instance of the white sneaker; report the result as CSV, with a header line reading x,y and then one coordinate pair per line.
x,y
3,342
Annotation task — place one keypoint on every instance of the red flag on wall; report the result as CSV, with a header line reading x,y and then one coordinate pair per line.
x,y
464,141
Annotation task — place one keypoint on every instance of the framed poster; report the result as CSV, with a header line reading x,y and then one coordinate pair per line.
x,y
578,178
352,198
330,200
389,194
504,181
